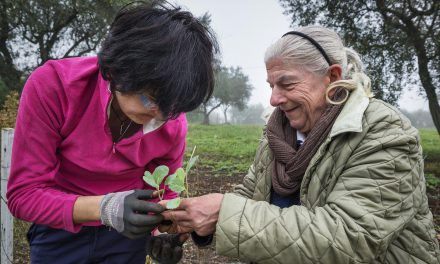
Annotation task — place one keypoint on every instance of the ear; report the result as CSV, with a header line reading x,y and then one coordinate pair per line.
x,y
335,72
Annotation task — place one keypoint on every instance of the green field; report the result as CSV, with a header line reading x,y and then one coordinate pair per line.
x,y
431,151
430,144
231,148
224,148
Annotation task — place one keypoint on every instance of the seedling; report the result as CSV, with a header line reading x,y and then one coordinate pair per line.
x,y
156,178
177,182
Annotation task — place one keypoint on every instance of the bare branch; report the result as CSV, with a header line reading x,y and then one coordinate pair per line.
x,y
79,41
428,12
4,33
215,107
57,29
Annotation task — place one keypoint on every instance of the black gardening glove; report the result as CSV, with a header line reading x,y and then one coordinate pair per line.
x,y
166,248
129,214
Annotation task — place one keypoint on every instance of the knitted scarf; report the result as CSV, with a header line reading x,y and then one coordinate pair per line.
x,y
290,164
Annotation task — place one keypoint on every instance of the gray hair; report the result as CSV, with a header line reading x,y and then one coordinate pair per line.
x,y
296,50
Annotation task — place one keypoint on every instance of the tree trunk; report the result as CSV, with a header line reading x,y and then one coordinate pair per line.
x,y
434,107
225,114
427,82
12,79
205,119
206,113
10,75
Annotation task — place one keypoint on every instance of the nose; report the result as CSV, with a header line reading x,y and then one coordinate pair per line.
x,y
277,97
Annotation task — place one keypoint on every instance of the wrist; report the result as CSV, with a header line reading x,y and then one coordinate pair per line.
x,y
87,209
104,213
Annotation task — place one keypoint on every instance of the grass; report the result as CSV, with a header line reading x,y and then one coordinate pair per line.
x,y
231,149
430,144
431,151
224,148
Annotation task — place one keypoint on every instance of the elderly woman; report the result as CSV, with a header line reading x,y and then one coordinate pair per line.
x,y
352,192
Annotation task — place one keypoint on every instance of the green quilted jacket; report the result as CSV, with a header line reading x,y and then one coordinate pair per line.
x,y
363,198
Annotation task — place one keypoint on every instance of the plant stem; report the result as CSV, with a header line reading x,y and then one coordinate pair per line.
x,y
186,176
186,185
158,191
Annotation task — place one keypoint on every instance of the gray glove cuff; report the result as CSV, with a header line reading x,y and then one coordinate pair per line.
x,y
112,210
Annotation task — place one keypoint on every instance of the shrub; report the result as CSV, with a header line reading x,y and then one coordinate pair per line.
x,y
8,113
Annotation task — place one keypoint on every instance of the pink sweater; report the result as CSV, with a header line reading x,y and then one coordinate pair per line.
x,y
63,147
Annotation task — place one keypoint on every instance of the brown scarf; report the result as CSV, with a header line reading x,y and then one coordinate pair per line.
x,y
291,164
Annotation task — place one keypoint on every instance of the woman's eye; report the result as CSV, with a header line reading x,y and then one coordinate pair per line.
x,y
288,85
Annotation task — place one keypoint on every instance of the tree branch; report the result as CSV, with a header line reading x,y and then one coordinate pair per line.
x,y
433,23
67,53
417,12
57,29
383,9
4,34
215,107
408,27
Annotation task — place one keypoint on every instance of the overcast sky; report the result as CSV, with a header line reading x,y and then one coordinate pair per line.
x,y
245,28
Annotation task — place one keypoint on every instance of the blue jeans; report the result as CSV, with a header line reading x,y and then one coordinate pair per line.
x,y
99,244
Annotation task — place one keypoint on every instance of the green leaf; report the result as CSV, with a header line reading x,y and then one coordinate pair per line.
x,y
177,187
160,173
149,179
170,179
173,204
176,181
191,163
180,174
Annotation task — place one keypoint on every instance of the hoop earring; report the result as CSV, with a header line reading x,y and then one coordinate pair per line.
x,y
347,94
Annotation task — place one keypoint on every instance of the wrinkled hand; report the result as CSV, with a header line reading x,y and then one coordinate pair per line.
x,y
130,214
176,227
166,248
199,214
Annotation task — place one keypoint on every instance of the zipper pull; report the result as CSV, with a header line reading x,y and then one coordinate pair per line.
x,y
114,147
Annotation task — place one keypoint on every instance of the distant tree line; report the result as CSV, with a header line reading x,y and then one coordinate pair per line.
x,y
420,118
232,89
249,115
253,115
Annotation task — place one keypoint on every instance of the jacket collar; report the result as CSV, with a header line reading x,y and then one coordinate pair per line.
x,y
350,118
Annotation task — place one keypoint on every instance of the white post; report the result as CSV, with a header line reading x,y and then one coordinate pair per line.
x,y
7,225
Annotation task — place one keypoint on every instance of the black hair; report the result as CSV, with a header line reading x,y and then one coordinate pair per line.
x,y
163,51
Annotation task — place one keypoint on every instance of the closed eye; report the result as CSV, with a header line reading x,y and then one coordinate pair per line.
x,y
288,86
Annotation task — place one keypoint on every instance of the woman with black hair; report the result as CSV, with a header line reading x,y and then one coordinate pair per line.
x,y
89,127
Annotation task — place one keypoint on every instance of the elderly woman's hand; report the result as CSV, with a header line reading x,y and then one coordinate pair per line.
x,y
198,214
